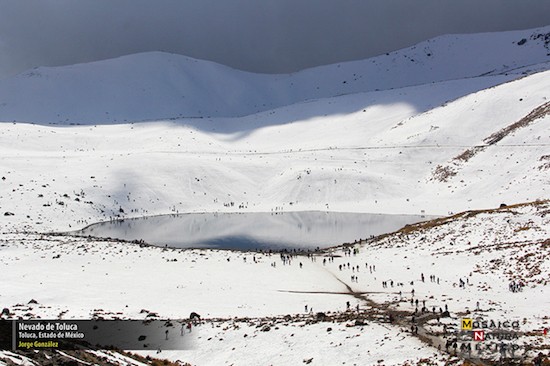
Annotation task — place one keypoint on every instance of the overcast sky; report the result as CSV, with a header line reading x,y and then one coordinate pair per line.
x,y
254,35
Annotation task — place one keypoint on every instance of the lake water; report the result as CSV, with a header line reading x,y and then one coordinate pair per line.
x,y
252,231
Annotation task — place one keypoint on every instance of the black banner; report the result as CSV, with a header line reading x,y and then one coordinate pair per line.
x,y
99,334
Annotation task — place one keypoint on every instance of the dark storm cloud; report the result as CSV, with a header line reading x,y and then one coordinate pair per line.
x,y
255,35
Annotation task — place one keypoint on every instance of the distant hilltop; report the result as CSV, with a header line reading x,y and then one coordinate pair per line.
x,y
155,85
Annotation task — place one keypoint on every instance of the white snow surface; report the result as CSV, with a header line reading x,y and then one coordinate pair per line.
x,y
408,133
159,85
76,278
357,153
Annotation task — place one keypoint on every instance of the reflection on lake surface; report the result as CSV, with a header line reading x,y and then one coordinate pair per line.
x,y
252,231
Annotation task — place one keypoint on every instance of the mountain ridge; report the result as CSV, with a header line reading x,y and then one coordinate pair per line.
x,y
157,85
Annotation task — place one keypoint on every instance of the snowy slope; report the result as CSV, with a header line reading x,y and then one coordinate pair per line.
x,y
157,85
436,137
244,313
375,152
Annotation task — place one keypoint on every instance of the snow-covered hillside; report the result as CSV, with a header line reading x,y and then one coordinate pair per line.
x,y
70,277
378,152
453,124
158,85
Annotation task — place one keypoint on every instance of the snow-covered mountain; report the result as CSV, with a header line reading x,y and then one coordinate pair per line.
x,y
437,147
456,123
425,148
157,85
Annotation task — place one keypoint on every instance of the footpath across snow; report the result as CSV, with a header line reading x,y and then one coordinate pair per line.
x,y
419,131
79,278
